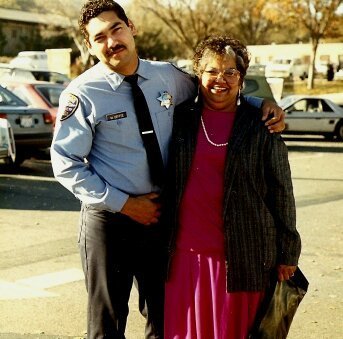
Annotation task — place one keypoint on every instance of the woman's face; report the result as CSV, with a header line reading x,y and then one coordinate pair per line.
x,y
219,82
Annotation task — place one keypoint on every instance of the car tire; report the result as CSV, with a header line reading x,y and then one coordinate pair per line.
x,y
339,131
329,136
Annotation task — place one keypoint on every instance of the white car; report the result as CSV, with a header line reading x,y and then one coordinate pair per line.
x,y
31,59
9,72
7,144
307,114
288,68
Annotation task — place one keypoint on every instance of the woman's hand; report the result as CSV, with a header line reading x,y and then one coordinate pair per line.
x,y
285,272
274,116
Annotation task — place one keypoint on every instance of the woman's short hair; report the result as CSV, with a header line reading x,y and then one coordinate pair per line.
x,y
92,8
220,45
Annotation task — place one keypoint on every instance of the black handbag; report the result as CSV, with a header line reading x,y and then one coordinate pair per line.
x,y
274,318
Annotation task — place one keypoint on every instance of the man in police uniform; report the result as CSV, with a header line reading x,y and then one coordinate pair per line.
x,y
98,154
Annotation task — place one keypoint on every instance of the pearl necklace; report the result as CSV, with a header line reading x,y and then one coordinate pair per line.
x,y
208,139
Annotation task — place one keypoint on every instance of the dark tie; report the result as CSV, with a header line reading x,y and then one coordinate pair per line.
x,y
147,132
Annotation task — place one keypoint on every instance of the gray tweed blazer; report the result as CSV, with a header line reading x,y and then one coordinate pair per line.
x,y
258,208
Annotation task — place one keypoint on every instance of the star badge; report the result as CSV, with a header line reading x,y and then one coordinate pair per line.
x,y
166,99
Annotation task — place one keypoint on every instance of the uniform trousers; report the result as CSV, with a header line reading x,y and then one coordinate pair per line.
x,y
115,251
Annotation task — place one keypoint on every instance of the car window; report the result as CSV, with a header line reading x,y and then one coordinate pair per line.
x,y
313,106
257,85
51,94
41,76
299,106
21,94
51,77
325,106
250,85
9,99
59,78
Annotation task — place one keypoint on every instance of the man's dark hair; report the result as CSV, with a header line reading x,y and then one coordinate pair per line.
x,y
221,45
92,8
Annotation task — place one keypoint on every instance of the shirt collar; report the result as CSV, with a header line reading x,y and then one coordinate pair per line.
x,y
115,79
144,70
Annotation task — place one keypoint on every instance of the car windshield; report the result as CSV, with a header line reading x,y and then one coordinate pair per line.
x,y
51,93
287,101
51,77
7,98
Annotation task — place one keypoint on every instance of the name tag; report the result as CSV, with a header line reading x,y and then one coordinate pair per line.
x,y
116,116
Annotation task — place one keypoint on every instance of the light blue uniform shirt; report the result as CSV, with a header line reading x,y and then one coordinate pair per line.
x,y
97,152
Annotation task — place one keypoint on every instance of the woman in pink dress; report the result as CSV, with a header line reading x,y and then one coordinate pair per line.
x,y
230,209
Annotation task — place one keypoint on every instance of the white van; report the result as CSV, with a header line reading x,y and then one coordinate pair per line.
x,y
287,68
31,60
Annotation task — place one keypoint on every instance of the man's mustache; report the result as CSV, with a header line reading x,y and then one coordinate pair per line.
x,y
114,50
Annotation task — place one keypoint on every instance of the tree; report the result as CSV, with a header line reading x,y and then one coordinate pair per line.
x,y
3,40
190,21
253,21
70,12
318,17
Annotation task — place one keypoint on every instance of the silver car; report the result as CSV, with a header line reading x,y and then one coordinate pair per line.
x,y
32,127
309,114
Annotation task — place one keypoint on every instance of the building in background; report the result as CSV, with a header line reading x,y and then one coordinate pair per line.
x,y
20,28
327,53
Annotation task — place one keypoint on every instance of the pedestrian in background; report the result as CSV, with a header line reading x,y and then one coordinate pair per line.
x,y
110,149
330,73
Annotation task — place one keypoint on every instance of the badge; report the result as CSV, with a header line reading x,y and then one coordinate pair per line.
x,y
166,99
69,110
116,116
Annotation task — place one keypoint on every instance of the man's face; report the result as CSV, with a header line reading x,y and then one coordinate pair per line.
x,y
112,42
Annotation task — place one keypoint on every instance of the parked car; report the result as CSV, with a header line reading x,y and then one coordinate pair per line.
x,y
32,127
39,94
292,68
31,59
7,144
8,71
307,114
258,86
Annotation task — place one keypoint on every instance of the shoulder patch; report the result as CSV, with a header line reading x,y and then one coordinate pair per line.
x,y
70,108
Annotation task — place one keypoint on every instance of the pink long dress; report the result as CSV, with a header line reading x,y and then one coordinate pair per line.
x,y
197,305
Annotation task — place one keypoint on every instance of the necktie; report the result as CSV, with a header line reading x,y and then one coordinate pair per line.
x,y
147,132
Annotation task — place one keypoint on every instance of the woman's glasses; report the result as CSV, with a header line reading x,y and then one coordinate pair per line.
x,y
231,75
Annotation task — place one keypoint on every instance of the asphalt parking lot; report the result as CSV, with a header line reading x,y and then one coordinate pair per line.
x,y
42,293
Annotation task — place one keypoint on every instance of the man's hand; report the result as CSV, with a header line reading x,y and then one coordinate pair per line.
x,y
144,208
285,272
270,109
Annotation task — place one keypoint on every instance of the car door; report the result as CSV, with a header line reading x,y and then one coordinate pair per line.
x,y
296,117
326,117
